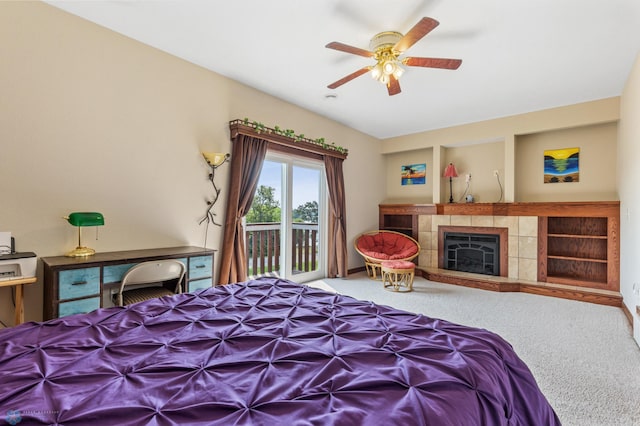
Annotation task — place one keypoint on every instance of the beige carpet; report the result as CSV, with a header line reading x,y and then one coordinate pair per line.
x,y
582,355
322,286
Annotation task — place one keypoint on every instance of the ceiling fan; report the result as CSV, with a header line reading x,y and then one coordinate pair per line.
x,y
386,48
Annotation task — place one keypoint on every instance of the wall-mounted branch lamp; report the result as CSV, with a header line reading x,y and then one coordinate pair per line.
x,y
215,160
82,219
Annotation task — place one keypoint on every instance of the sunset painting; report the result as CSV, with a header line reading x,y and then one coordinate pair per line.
x,y
414,174
562,165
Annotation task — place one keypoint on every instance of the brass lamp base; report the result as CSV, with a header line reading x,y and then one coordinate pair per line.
x,y
81,252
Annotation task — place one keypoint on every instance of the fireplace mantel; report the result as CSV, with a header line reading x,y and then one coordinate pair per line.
x,y
567,209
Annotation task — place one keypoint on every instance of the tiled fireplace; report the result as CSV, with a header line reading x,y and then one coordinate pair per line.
x,y
520,233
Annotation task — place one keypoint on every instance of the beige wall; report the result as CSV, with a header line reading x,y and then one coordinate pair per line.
x,y
507,131
479,160
91,120
598,155
628,179
398,193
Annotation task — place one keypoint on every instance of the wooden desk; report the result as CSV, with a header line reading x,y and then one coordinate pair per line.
x,y
19,285
80,284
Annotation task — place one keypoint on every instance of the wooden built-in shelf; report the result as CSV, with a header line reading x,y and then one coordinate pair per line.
x,y
403,217
577,259
595,237
581,250
582,282
578,245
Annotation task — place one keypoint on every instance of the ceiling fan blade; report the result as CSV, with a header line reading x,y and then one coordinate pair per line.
x,y
419,30
349,49
393,87
450,64
348,78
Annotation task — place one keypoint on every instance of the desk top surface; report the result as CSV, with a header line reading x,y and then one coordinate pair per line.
x,y
127,255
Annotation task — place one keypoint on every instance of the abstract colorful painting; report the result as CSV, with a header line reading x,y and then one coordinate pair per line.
x,y
414,174
562,165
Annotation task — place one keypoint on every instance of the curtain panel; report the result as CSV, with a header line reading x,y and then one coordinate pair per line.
x,y
247,156
337,259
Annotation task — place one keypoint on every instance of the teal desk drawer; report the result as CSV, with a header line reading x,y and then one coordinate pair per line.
x,y
114,273
200,267
199,284
81,306
75,283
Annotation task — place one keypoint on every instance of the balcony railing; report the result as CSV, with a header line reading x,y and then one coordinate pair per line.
x,y
263,247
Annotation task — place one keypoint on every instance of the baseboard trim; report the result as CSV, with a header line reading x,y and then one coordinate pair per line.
x,y
502,284
627,313
356,270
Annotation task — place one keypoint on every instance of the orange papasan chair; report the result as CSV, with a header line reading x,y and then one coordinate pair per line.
x,y
378,246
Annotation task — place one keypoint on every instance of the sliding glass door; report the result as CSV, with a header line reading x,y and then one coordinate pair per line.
x,y
285,227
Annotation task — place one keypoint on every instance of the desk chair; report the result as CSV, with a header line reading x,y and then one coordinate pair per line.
x,y
149,280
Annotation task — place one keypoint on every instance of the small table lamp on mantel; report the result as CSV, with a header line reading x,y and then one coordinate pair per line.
x,y
450,172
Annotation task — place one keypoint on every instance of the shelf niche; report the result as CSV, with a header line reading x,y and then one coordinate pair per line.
x,y
580,251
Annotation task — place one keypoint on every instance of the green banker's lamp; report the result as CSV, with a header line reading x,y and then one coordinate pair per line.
x,y
82,219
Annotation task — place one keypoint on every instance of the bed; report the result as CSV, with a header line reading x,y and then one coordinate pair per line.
x,y
264,352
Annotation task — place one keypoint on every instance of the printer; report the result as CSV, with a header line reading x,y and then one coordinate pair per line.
x,y
14,266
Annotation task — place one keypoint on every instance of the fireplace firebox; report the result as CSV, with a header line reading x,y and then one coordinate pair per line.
x,y
471,255
468,252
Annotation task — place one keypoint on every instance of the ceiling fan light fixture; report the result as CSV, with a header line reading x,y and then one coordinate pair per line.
x,y
398,71
384,40
386,48
376,72
389,67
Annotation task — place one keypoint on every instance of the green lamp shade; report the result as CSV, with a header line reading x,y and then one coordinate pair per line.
x,y
86,219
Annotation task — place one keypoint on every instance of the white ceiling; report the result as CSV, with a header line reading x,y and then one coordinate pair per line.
x,y
518,55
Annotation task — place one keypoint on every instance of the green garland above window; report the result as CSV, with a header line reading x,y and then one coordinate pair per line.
x,y
289,133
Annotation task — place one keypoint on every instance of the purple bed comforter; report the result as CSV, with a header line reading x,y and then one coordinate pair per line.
x,y
265,352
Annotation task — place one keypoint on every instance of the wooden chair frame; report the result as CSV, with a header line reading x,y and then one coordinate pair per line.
x,y
372,264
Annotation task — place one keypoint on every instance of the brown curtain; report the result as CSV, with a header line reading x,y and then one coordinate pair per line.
x,y
337,259
247,157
